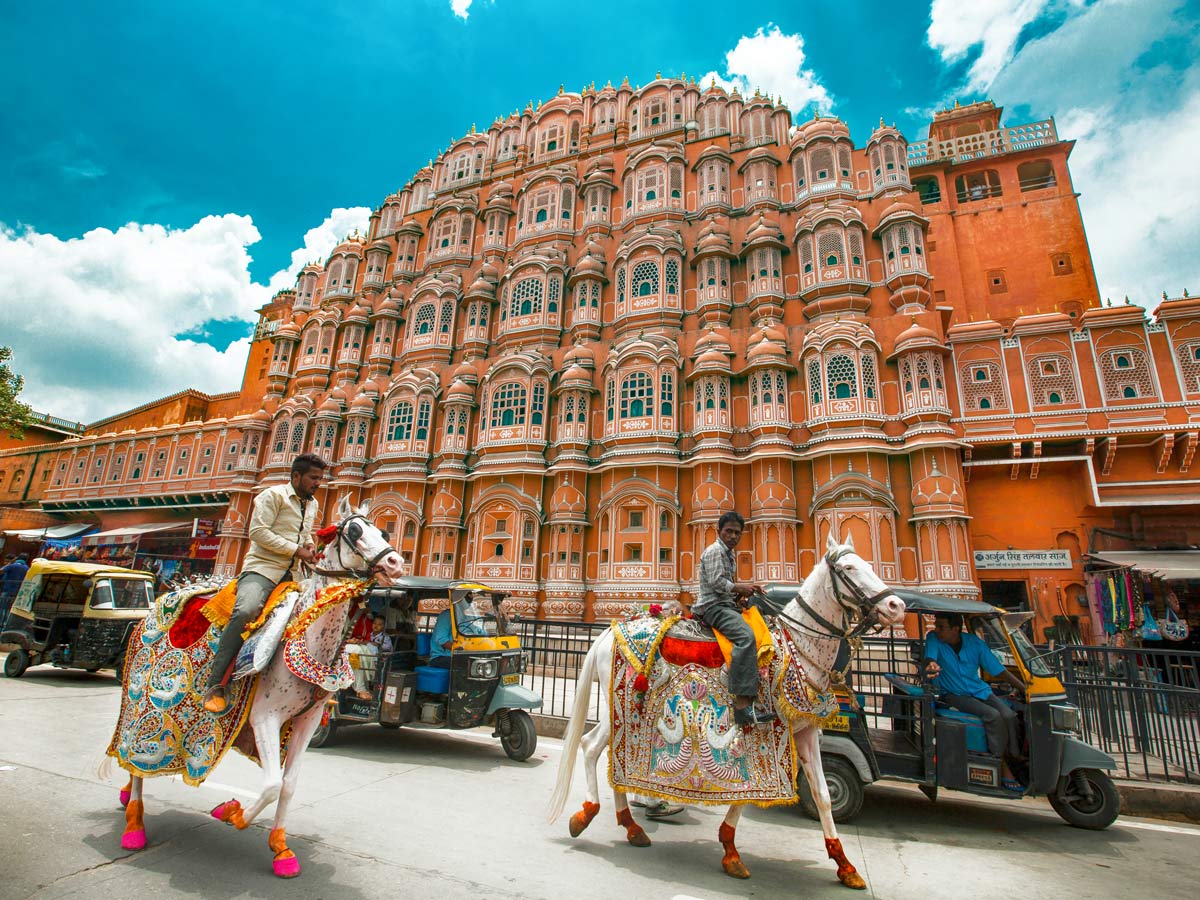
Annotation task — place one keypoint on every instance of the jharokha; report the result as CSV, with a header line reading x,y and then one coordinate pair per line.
x,y
571,342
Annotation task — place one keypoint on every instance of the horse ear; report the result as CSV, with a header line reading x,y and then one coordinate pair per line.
x,y
345,511
366,505
849,540
831,543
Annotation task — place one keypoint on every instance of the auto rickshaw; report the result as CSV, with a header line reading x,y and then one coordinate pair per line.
x,y
74,616
893,727
481,686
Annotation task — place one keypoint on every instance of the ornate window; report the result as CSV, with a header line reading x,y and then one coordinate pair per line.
x,y
672,278
526,297
1051,381
538,407
551,140
713,119
841,377
800,174
1126,375
508,405
1189,366
610,398
425,319
983,387
768,397
714,278
645,279
423,415
637,396
821,165
711,396
666,394
400,422
714,182
297,442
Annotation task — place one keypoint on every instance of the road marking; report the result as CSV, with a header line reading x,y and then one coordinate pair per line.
x,y
227,789
1151,826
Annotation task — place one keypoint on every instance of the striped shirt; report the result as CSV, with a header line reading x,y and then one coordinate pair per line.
x,y
716,576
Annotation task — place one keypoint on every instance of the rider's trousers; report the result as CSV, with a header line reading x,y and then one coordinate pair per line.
x,y
743,666
252,593
999,721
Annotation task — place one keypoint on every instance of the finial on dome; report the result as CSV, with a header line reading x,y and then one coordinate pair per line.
x,y
1108,302
1185,293
658,76
1164,295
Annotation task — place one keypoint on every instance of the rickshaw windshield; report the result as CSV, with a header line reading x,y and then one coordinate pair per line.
x,y
121,593
992,631
475,619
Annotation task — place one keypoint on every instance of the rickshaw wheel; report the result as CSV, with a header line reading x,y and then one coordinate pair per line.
x,y
16,663
520,739
1096,814
324,734
845,790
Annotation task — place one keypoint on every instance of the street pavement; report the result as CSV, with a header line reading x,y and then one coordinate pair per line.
x,y
425,814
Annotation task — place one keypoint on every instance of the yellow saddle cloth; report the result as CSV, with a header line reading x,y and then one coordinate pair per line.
x,y
219,608
762,638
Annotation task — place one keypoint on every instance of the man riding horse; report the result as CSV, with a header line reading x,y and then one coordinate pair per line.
x,y
281,532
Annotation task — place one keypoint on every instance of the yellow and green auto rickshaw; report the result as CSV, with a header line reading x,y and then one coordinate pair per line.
x,y
74,616
477,682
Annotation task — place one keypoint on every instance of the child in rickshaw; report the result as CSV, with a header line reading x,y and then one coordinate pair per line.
x,y
369,648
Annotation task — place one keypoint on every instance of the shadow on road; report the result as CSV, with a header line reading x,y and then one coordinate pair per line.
x,y
204,858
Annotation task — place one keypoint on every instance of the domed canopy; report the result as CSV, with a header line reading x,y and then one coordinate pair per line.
x,y
764,231
771,348
821,127
917,337
460,392
714,239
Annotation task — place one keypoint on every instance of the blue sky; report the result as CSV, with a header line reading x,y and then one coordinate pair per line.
x,y
167,165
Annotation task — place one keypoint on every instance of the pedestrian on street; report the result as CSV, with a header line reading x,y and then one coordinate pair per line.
x,y
11,576
281,532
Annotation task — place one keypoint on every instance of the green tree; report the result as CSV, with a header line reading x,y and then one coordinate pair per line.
x,y
14,415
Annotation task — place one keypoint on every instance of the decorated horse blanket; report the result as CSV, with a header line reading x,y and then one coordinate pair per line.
x,y
163,728
673,731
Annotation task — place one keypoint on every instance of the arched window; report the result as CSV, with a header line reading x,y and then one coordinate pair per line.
x,y
1129,391
985,403
423,415
637,396
1121,361
400,421
538,409
645,279
843,381
508,405
527,297
610,396
279,441
666,394
423,321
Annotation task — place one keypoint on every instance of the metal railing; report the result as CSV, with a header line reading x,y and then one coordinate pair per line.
x,y
1140,706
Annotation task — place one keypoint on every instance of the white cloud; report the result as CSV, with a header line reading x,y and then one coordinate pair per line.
x,y
96,323
319,241
460,7
773,62
956,27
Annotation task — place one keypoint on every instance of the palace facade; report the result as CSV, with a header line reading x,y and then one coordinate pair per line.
x,y
571,342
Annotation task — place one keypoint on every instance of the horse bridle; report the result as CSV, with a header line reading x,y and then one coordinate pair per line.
x,y
850,597
348,539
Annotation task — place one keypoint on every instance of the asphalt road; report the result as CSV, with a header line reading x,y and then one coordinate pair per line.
x,y
448,815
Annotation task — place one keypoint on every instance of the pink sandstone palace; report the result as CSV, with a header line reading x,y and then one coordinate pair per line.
x,y
570,343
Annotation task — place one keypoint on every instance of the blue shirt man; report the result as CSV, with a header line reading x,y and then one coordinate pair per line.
x,y
954,658
11,577
469,622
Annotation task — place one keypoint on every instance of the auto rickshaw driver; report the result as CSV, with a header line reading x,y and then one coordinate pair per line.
x,y
955,659
471,620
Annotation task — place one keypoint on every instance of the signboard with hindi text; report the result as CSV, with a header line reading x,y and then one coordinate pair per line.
x,y
1023,559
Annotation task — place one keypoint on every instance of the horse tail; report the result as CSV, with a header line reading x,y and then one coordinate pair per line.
x,y
575,726
104,770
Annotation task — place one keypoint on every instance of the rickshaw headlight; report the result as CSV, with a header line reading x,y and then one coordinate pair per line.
x,y
1064,718
485,668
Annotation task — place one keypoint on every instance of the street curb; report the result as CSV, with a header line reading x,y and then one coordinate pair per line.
x,y
549,726
1178,802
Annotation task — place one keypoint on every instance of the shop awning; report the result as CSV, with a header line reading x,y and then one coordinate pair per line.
x,y
132,533
1169,564
52,532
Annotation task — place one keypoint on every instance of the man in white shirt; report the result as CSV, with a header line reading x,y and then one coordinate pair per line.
x,y
281,529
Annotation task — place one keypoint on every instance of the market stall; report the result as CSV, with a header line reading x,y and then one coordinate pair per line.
x,y
50,542
1146,597
168,549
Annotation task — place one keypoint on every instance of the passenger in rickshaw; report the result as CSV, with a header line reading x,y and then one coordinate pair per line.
x,y
368,647
471,620
955,658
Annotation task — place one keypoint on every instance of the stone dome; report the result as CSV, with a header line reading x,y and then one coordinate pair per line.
x,y
711,497
714,239
915,337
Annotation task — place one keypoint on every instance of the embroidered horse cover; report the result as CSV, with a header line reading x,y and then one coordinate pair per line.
x,y
163,727
677,738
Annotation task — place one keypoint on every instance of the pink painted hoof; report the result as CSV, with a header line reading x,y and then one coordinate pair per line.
x,y
289,867
218,812
125,796
134,840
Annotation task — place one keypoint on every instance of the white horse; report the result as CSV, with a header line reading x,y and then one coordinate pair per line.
x,y
840,588
357,551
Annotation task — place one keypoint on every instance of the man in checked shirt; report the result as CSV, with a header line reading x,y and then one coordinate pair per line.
x,y
719,605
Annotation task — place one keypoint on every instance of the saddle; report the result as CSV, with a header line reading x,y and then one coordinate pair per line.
x,y
219,608
692,641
